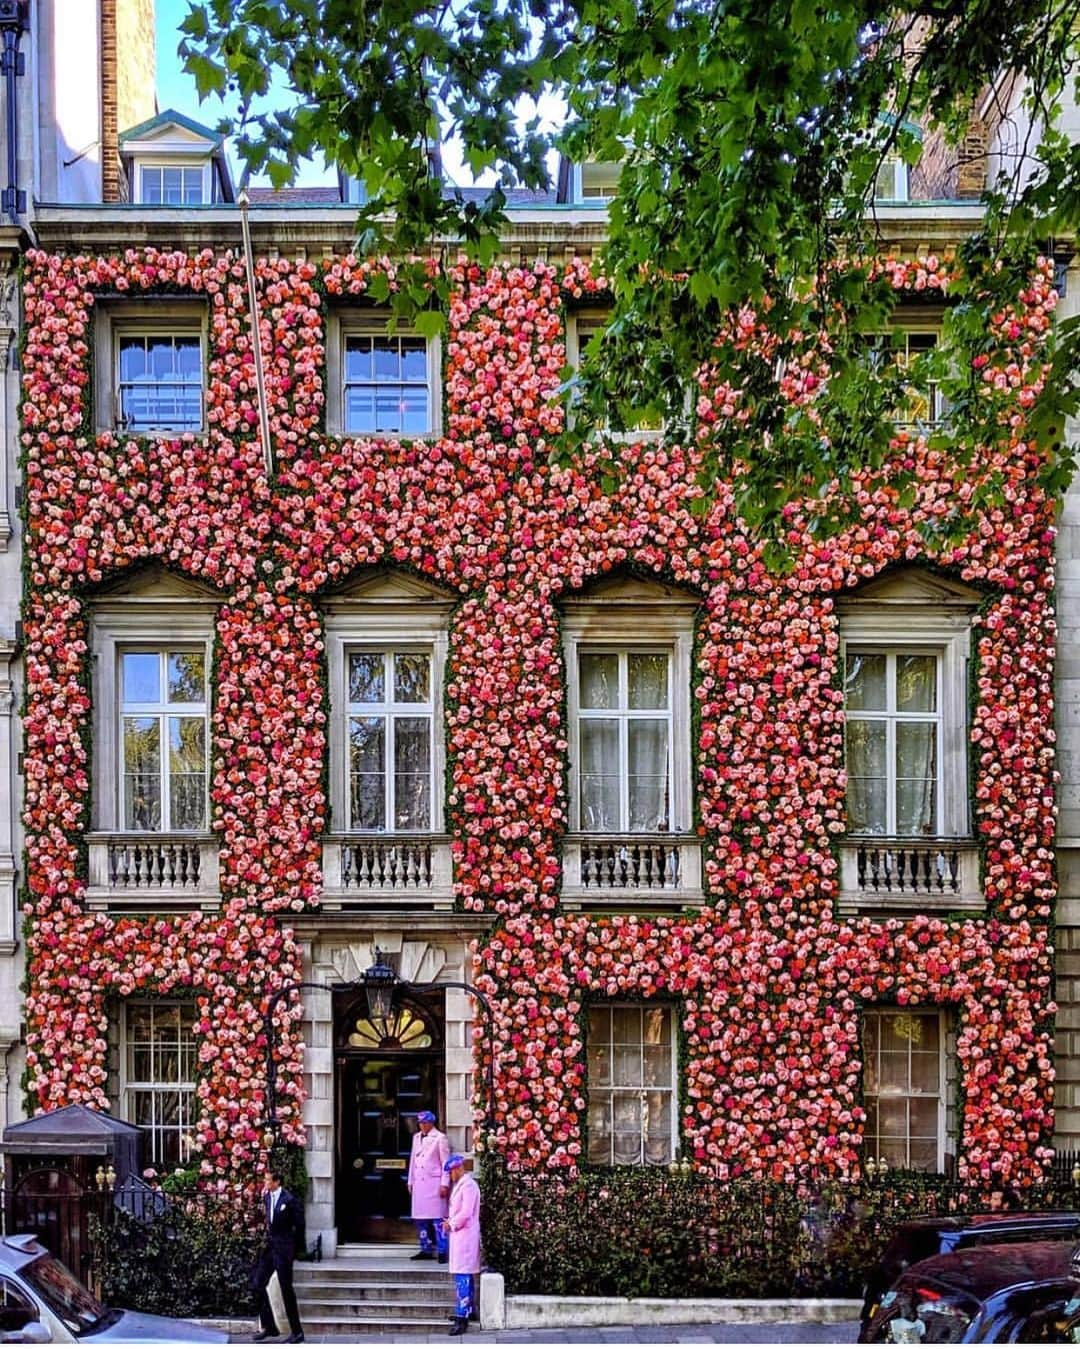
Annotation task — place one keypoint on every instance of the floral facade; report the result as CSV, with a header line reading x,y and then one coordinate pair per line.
x,y
768,976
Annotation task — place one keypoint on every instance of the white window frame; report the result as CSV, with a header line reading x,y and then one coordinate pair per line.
x,y
607,183
672,1087
943,1074
927,629
647,623
893,160
581,326
161,712
380,623
156,163
390,712
892,718
623,714
137,625
129,1086
116,319
344,323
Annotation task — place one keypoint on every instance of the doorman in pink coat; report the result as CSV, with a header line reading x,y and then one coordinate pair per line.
x,y
429,1187
463,1224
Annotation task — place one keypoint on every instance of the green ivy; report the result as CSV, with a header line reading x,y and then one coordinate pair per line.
x,y
636,1232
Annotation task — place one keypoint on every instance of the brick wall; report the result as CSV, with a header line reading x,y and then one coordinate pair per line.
x,y
128,82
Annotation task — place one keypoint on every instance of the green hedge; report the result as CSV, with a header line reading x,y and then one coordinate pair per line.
x,y
192,1259
624,1232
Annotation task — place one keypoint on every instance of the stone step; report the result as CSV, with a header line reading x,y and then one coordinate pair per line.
x,y
319,1308
352,1327
333,1272
381,1292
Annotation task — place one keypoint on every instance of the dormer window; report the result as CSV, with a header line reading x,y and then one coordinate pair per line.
x,y
174,161
173,185
891,183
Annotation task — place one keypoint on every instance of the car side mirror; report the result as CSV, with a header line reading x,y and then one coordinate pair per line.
x,y
31,1333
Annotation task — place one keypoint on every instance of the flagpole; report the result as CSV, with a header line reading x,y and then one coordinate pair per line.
x,y
256,337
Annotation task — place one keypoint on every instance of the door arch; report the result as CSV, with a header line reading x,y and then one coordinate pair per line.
x,y
386,1070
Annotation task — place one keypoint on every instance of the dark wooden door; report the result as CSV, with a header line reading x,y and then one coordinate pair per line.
x,y
379,1094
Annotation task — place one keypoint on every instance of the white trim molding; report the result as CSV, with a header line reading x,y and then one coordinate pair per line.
x,y
914,611
157,870
386,610
621,614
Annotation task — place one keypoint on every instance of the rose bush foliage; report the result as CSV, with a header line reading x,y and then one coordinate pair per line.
x,y
770,980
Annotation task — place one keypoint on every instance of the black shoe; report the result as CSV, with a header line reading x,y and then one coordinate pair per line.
x,y
460,1325
298,1338
443,1259
264,1335
422,1255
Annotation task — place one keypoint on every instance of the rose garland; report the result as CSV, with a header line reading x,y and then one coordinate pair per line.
x,y
770,982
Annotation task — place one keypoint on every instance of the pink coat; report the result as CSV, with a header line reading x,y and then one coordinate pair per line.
x,y
426,1178
464,1225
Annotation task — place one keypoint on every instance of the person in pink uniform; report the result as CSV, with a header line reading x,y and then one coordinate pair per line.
x,y
463,1224
428,1187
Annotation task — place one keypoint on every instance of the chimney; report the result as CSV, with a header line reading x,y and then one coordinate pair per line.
x,y
971,170
128,82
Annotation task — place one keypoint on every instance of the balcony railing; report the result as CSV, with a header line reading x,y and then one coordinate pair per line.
x,y
646,868
165,870
910,873
387,869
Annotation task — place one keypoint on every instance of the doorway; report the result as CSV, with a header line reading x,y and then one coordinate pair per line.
x,y
386,1071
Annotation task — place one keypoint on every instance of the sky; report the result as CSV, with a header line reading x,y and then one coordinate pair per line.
x,y
177,90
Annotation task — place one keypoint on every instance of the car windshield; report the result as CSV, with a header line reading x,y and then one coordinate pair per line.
x,y
55,1284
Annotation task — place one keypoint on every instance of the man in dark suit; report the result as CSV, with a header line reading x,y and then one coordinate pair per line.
x,y
284,1215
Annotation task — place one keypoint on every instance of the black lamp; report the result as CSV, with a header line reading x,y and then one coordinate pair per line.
x,y
379,981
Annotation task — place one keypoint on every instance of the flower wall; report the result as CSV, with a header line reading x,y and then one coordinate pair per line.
x,y
769,981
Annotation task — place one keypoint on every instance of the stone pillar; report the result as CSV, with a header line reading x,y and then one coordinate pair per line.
x,y
1067,690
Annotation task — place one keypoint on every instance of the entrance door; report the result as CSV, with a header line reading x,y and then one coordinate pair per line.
x,y
385,1074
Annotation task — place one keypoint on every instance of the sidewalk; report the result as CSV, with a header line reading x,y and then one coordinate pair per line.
x,y
800,1332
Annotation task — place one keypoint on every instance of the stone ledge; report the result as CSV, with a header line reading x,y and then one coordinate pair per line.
x,y
543,1312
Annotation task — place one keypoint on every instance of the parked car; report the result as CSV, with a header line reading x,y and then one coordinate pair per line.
x,y
42,1302
1014,1294
923,1237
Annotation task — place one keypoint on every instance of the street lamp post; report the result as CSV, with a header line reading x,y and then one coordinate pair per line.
x,y
380,982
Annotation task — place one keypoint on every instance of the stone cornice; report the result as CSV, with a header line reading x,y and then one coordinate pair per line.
x,y
327,231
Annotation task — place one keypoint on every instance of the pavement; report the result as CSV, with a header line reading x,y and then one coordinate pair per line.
x,y
781,1332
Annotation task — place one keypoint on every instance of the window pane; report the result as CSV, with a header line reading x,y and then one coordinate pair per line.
x,y
387,362
358,358
600,1130
366,681
916,777
360,409
414,359
598,680
142,773
132,359
172,186
189,359
626,1121
411,678
186,676
414,411
151,186
657,1066
141,676
160,357
139,1022
656,1127
600,775
867,788
916,683
648,782
864,683
656,1025
626,1070
599,1024
193,187
925,1075
187,772
599,1067
626,1025
140,1063
894,1072
367,766
647,681
412,773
